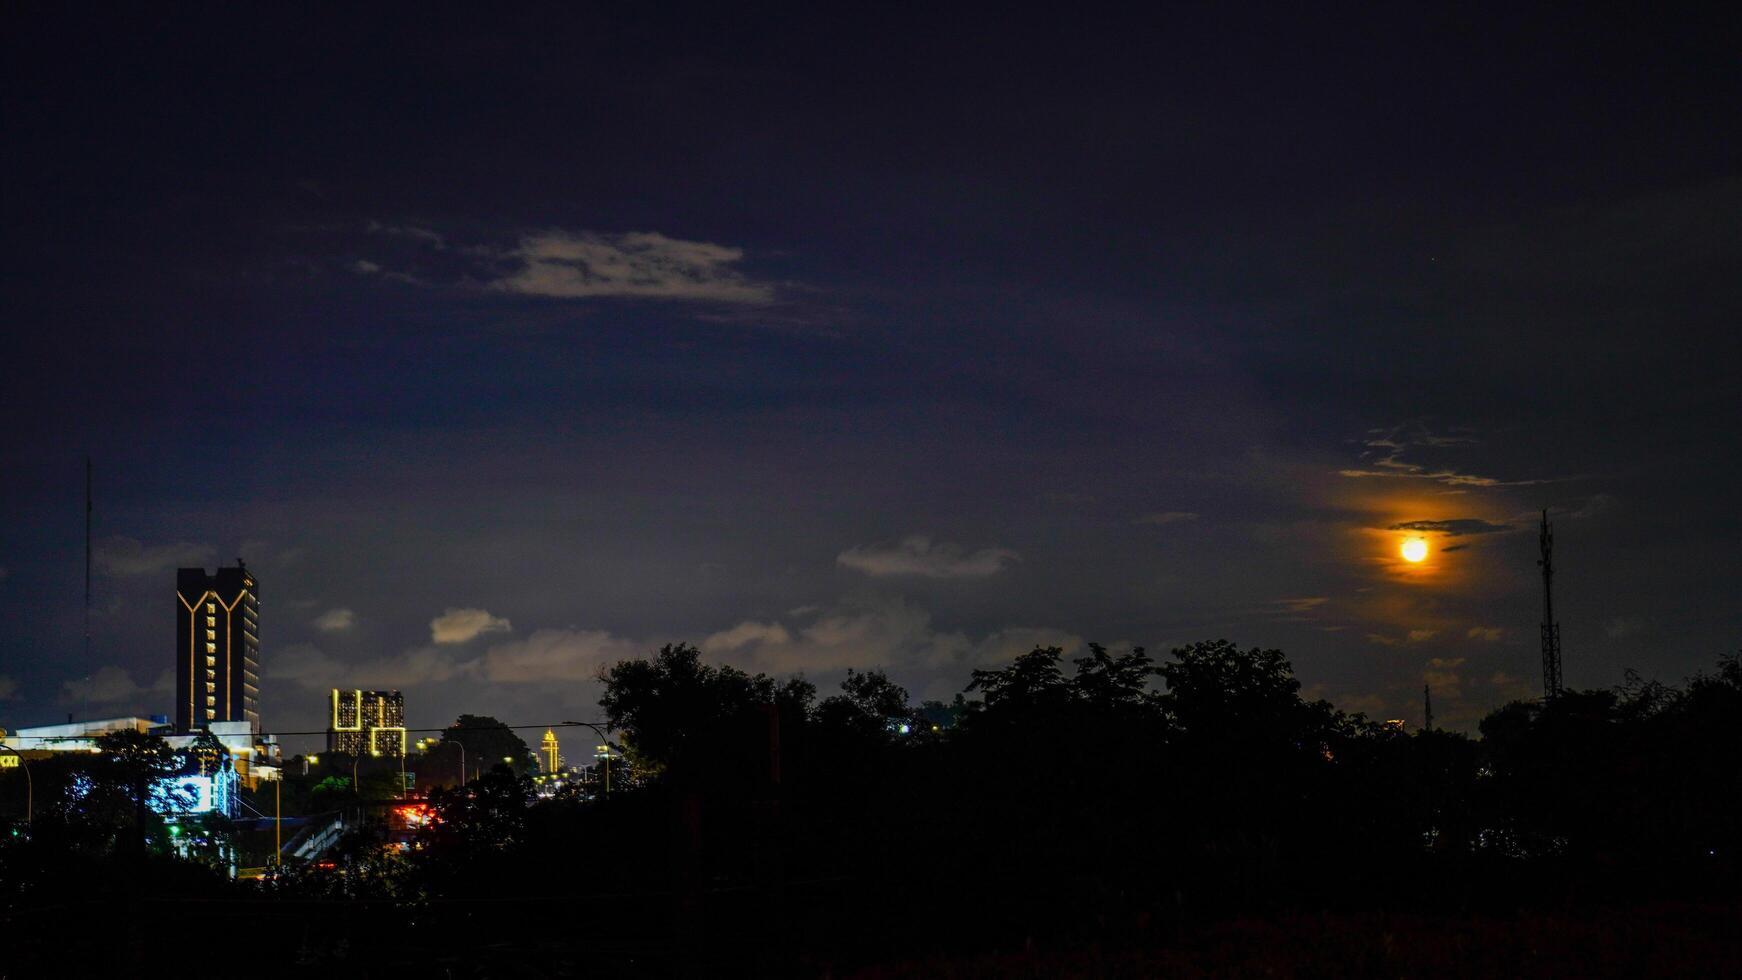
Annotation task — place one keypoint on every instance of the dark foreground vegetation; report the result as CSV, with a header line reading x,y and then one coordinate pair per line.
x,y
1103,816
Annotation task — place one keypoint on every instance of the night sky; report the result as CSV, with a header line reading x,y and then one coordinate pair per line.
x,y
503,345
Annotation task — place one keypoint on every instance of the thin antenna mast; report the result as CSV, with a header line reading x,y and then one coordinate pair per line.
x,y
1427,708
88,508
1551,630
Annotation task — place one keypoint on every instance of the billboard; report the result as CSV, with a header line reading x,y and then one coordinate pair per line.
x,y
196,794
182,794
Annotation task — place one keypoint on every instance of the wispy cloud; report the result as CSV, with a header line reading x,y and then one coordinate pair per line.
x,y
314,669
1487,634
557,655
1511,687
1598,503
1412,636
1167,517
1385,448
335,621
867,631
563,264
127,557
1442,674
1295,608
918,555
748,633
863,631
464,625
637,265
425,236
113,685
1456,528
1621,627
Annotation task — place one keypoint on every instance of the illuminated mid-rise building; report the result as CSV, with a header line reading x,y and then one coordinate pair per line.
x,y
217,648
366,723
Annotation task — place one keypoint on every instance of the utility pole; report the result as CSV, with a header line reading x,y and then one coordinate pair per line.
x,y
1427,704
88,509
1551,630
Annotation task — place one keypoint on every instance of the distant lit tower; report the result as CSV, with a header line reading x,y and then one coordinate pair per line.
x,y
217,647
1551,630
552,758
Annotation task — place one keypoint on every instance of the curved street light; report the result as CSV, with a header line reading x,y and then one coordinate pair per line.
x,y
447,738
603,738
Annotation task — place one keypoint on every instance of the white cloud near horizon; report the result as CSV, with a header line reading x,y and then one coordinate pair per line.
x,y
315,669
918,555
465,625
545,656
558,655
127,557
866,632
749,632
870,632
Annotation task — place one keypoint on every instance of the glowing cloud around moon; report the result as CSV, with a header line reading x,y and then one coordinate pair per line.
x,y
1414,550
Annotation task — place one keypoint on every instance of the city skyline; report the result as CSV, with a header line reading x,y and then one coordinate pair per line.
x,y
681,329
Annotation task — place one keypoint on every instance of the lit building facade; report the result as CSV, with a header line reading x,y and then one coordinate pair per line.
x,y
253,756
366,723
553,760
217,648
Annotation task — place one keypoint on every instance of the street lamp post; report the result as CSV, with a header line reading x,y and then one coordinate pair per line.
x,y
462,746
607,740
29,787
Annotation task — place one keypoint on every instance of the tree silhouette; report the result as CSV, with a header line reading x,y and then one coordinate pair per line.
x,y
487,742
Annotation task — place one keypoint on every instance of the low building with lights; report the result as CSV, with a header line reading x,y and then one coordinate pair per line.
x,y
253,757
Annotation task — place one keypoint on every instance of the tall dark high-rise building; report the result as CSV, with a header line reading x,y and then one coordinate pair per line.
x,y
366,723
217,647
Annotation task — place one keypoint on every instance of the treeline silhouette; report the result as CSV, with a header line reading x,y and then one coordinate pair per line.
x,y
1106,801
